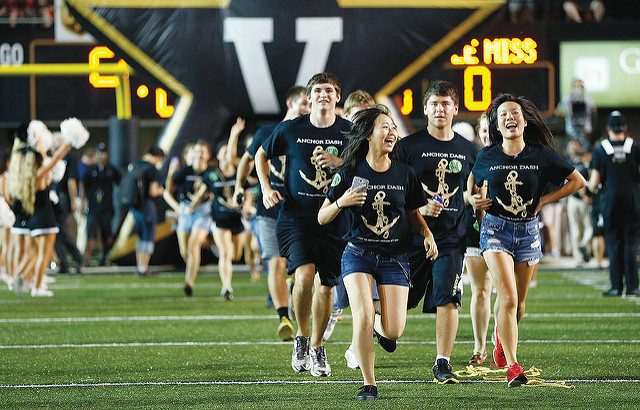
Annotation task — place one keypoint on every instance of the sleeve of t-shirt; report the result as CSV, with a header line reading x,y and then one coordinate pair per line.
x,y
258,139
180,176
339,186
275,145
403,155
478,169
558,167
415,194
86,179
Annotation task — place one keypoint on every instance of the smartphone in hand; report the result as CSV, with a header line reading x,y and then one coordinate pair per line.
x,y
358,182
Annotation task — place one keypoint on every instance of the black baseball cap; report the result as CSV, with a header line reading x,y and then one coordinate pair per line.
x,y
616,121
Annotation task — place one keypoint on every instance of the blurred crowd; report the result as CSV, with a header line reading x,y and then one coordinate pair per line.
x,y
27,11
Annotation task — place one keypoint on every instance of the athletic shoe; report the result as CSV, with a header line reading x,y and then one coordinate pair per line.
x,y
285,329
352,360
516,376
319,364
227,293
442,373
367,392
387,344
331,325
18,285
478,358
37,292
612,292
292,314
188,290
498,353
300,360
632,293
48,279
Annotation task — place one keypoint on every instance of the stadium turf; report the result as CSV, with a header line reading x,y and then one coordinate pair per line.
x,y
119,341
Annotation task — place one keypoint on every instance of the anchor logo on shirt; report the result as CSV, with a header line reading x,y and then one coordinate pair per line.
x,y
226,198
382,225
196,187
321,180
274,171
517,203
443,187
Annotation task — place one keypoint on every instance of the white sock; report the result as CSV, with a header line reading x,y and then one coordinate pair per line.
x,y
438,357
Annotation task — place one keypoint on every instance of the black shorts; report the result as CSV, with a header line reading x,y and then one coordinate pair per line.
x,y
438,281
304,241
232,222
102,220
597,221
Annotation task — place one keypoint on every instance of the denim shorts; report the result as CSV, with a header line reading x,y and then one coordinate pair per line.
x,y
386,270
199,218
521,240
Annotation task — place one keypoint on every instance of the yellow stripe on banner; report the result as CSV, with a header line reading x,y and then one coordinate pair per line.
x,y
441,4
158,4
441,46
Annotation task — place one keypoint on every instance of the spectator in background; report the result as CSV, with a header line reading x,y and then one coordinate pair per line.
x,y
146,216
80,213
615,166
99,181
591,10
578,215
521,11
577,108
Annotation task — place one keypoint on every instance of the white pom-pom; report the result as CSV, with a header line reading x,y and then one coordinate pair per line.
x,y
58,170
7,218
38,132
74,132
56,139
53,196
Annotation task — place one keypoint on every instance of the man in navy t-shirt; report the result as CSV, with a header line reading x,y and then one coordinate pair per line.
x,y
442,160
312,144
297,105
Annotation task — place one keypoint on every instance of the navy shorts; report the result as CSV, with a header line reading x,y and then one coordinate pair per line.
x,y
521,240
303,241
386,270
438,281
102,220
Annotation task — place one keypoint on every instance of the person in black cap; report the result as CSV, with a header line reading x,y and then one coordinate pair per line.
x,y
99,181
615,170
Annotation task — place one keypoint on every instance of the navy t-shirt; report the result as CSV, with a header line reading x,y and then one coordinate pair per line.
x,y
443,168
516,183
187,182
617,162
305,182
222,187
381,225
276,171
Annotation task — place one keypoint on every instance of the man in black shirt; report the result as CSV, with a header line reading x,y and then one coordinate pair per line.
x,y
312,144
615,166
67,190
443,160
99,181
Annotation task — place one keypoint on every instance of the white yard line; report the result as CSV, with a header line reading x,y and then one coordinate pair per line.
x,y
168,344
269,382
263,317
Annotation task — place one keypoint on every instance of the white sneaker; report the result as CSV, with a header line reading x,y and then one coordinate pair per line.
x,y
352,360
319,364
41,292
333,319
300,360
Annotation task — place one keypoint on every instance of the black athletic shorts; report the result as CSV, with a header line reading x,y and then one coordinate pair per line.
x,y
304,241
438,281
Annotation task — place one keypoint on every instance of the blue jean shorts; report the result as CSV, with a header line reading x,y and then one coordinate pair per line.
x,y
199,218
521,240
386,270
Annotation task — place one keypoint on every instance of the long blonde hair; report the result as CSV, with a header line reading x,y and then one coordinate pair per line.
x,y
22,175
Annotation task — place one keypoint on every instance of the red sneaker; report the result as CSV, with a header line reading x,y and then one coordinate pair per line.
x,y
498,354
516,376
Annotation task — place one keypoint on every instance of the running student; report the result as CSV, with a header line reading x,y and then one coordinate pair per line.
x,y
518,165
297,104
312,144
381,212
442,159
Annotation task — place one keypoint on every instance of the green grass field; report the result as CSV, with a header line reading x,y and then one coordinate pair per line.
x,y
119,341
